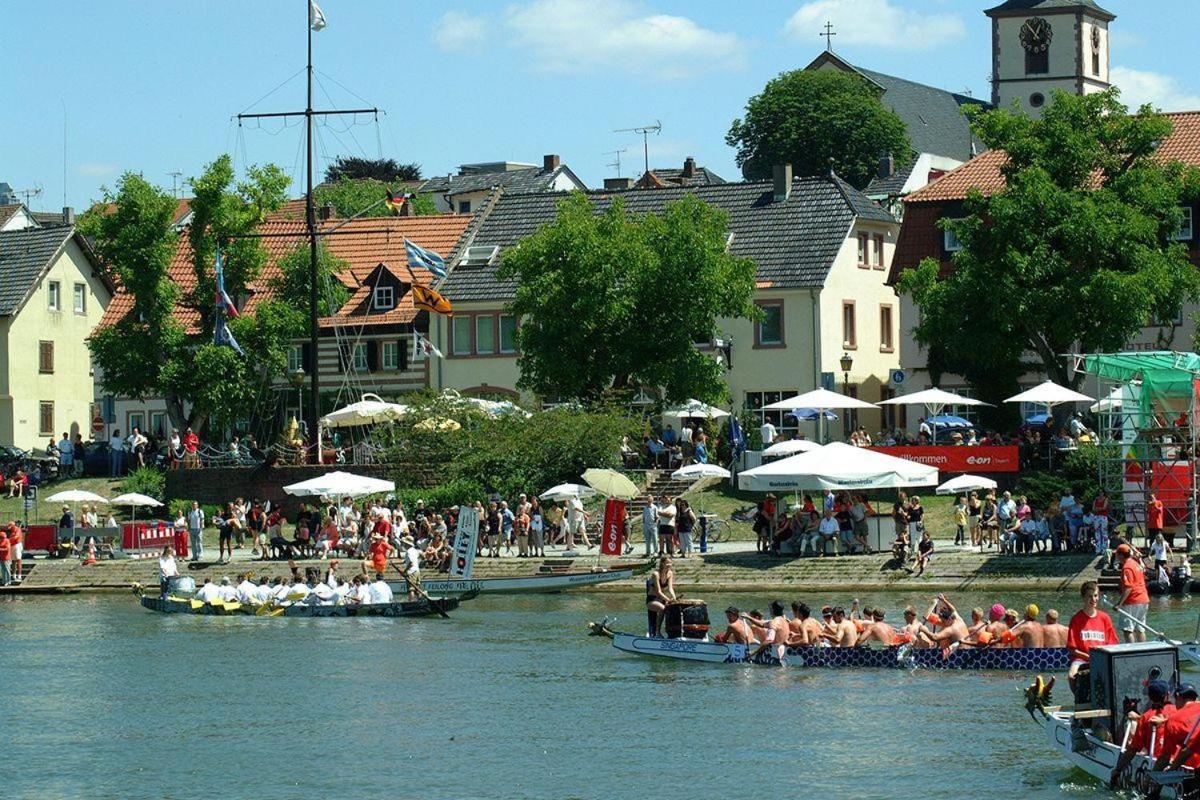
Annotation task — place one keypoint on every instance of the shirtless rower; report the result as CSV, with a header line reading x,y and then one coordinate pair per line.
x,y
977,634
738,631
996,627
1029,631
775,633
809,629
755,621
952,627
844,634
1054,633
877,630
908,631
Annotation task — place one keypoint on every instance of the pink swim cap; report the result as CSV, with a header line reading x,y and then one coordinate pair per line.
x,y
997,612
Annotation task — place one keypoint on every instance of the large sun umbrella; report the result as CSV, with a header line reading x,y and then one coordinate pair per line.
x,y
935,401
837,466
966,483
340,484
1049,394
703,476
611,483
565,491
134,500
790,447
75,496
368,411
818,400
696,409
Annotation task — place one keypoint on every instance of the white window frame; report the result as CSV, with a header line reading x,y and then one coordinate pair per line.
x,y
1186,224
54,296
295,357
950,242
389,355
137,419
79,298
783,421
383,298
358,357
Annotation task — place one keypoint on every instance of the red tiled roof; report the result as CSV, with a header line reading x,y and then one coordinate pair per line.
x,y
381,241
8,212
983,171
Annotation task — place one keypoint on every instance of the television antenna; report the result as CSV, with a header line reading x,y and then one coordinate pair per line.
x,y
29,194
644,131
175,176
617,161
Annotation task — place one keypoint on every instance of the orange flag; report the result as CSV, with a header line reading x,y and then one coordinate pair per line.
x,y
430,300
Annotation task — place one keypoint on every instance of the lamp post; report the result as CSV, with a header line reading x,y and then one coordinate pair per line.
x,y
847,363
297,379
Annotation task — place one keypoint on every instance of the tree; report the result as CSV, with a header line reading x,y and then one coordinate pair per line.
x,y
815,119
379,169
352,196
150,351
609,301
1075,254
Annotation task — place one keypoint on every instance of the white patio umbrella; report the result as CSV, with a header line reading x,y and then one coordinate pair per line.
x,y
790,447
368,411
134,500
703,475
966,483
611,483
1049,394
819,400
934,401
837,466
75,496
340,484
1117,398
695,408
565,491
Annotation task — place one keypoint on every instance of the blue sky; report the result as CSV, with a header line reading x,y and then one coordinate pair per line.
x,y
151,86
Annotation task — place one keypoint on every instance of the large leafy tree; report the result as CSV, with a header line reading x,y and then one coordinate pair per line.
x,y
609,301
1075,254
150,351
815,119
379,169
352,197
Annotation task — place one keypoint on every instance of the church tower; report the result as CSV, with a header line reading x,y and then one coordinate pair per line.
x,y
1042,45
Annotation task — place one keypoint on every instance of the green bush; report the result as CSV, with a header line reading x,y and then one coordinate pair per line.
x,y
1080,470
452,493
145,480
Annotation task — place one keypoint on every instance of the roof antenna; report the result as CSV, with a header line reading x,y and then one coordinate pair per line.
x,y
645,131
616,163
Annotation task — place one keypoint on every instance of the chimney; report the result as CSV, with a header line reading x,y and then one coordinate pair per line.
x,y
406,208
68,215
887,166
689,167
550,163
618,184
325,212
782,177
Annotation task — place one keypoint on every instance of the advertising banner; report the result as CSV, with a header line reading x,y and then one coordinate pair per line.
x,y
960,458
613,531
464,542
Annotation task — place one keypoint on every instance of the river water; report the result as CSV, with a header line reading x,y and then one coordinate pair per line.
x,y
510,699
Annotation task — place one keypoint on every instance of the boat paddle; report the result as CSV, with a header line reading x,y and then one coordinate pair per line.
x,y
412,587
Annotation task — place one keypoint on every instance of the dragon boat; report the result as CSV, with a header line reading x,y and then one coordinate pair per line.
x,y
407,608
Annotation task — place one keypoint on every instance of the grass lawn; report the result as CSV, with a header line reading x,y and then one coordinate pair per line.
x,y
43,511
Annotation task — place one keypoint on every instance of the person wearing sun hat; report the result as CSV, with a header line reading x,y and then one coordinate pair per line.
x,y
411,558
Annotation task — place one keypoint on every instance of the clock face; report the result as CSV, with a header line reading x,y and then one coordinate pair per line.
x,y
1036,35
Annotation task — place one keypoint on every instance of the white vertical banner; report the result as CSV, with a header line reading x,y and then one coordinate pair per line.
x,y
464,542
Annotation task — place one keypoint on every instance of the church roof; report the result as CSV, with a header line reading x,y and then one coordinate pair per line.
x,y
1016,7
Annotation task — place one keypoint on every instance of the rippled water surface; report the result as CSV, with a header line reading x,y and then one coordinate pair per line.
x,y
510,699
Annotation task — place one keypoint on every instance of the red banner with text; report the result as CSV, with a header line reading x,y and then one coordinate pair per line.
x,y
960,458
613,532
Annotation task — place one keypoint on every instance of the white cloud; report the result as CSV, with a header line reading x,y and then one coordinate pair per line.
x,y
1161,91
96,169
569,36
880,23
457,31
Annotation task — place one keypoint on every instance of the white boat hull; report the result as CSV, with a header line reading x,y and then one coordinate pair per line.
x,y
529,584
1097,758
680,649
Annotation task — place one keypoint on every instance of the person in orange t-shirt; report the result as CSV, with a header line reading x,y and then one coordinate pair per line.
x,y
1147,734
1179,741
1135,600
16,540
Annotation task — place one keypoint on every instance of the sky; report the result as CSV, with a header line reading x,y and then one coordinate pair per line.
x,y
153,86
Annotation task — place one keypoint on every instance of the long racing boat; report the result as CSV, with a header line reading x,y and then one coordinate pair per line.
x,y
541,583
407,608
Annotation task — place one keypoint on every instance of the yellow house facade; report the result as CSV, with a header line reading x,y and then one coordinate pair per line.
x,y
52,295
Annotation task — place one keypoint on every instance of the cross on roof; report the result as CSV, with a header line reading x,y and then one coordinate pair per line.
x,y
828,34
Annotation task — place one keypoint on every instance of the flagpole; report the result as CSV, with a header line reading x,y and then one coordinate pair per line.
x,y
310,218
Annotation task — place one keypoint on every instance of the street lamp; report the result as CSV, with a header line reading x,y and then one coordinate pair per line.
x,y
847,363
297,379
725,347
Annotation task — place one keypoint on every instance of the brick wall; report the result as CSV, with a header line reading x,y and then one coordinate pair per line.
x,y
222,484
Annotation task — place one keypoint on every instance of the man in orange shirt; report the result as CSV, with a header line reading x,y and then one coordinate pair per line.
x,y
1147,728
1179,745
1135,600
16,540
1154,517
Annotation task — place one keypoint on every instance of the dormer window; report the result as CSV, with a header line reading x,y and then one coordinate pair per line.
x,y
479,255
384,299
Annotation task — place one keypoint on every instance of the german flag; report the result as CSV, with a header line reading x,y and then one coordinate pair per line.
x,y
430,300
395,201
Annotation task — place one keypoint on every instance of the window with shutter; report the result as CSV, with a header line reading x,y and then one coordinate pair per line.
x,y
46,358
402,350
46,417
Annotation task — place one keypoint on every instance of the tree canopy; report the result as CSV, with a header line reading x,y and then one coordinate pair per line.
x,y
815,119
610,301
1077,252
352,197
378,169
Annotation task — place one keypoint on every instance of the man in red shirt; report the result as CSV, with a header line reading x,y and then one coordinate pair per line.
x,y
191,448
1135,600
16,541
1179,745
5,557
1090,627
1154,517
1146,736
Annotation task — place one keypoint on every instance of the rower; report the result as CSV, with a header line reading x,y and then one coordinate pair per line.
x,y
1029,631
774,633
738,632
952,627
379,591
1179,742
226,591
208,592
977,633
911,627
1054,633
808,631
996,627
262,592
843,633
1146,734
877,630
246,590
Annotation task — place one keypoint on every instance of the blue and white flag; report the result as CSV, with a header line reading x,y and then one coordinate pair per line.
x,y
425,259
224,307
736,438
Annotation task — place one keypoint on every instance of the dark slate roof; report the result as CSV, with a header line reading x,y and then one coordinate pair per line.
x,y
24,256
793,243
1017,6
47,217
933,116
893,184
516,181
702,176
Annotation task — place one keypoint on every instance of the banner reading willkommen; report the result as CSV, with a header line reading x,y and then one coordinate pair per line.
x,y
464,542
613,531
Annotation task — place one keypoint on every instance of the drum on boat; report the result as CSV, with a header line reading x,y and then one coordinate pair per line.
x,y
181,585
686,619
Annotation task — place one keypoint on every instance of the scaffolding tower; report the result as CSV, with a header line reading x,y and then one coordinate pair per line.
x,y
1146,426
